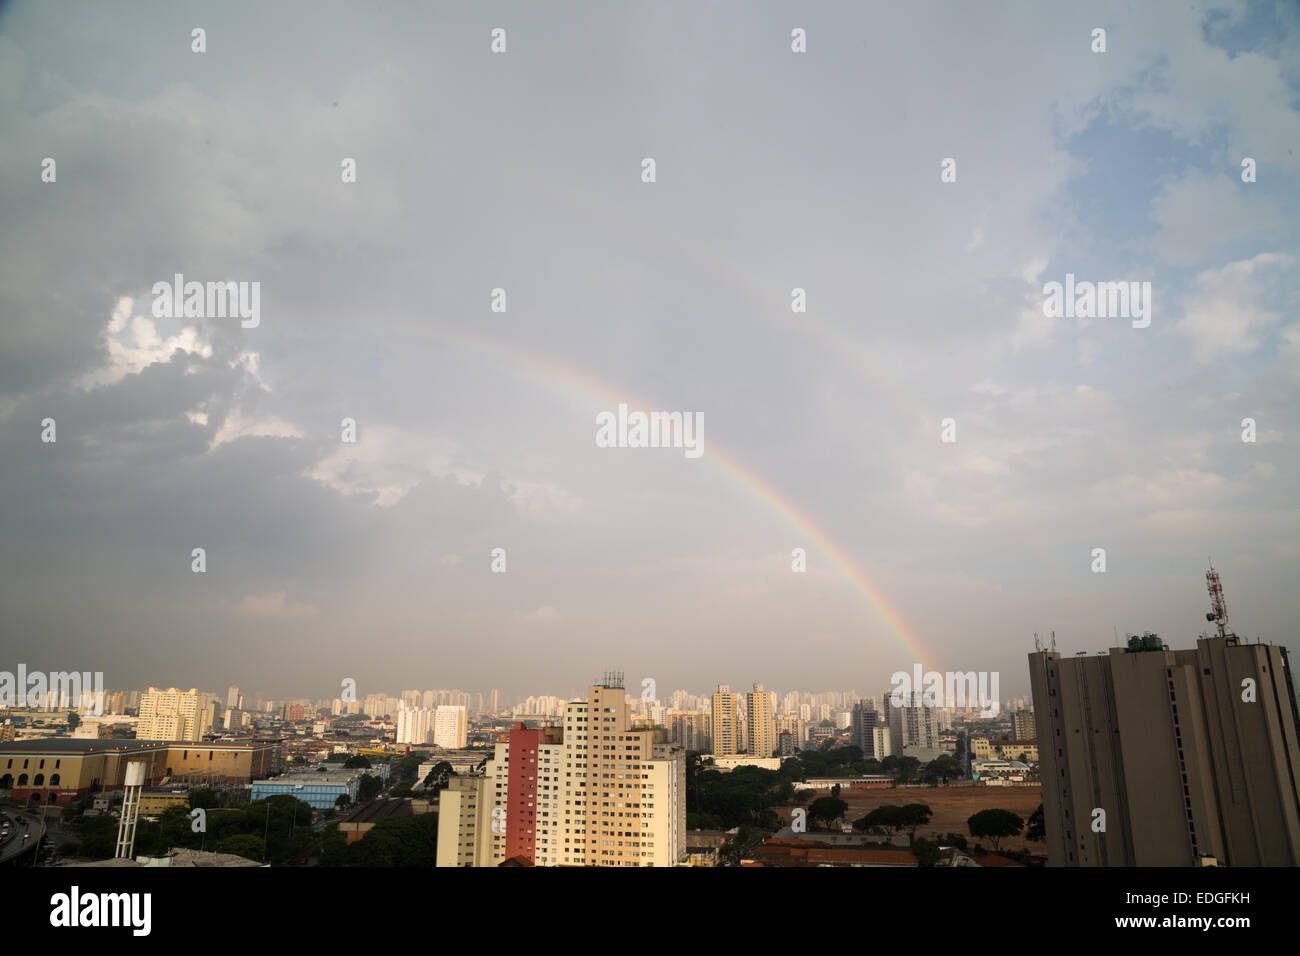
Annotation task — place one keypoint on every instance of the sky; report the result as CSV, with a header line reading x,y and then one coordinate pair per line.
x,y
522,170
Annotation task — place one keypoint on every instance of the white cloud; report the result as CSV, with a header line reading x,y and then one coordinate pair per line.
x,y
1223,315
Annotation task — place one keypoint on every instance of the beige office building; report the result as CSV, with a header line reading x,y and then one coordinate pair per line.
x,y
1188,757
726,722
760,707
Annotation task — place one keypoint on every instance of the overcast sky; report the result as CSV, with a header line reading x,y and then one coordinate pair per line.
x,y
522,170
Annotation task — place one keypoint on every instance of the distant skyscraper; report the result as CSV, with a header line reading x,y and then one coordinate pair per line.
x,y
1022,725
171,714
415,725
451,727
870,731
913,726
232,696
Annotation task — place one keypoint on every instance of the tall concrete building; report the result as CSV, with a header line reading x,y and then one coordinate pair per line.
x,y
760,706
1155,757
628,792
913,726
172,714
595,793
1023,726
414,725
691,729
726,722
871,733
465,823
451,727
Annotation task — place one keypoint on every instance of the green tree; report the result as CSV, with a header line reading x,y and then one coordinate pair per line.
x,y
888,817
246,845
205,799
927,853
742,843
368,787
827,810
943,769
1036,829
994,824
914,815
410,840
356,761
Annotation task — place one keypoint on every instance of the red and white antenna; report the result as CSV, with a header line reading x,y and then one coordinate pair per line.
x,y
1219,612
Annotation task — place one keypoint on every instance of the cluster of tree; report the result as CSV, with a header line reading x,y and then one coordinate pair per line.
x,y
437,778
832,762
746,795
277,830
994,825
393,841
891,818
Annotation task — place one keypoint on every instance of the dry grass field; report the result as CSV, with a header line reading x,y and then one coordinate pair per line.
x,y
951,807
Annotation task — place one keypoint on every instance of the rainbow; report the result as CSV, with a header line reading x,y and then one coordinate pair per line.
x,y
553,374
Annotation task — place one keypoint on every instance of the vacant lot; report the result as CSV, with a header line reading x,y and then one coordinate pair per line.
x,y
951,807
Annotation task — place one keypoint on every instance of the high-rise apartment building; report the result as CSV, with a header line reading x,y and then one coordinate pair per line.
x,y
726,720
595,792
624,794
913,726
692,729
465,822
1022,725
415,725
1156,757
871,733
172,714
760,706
451,727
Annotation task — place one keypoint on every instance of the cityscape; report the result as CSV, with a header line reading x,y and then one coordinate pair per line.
x,y
1151,755
447,437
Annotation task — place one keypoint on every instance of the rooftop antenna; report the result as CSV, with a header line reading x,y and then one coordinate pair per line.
x,y
1218,607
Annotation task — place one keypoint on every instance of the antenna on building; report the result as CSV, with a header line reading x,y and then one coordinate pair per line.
x,y
1219,607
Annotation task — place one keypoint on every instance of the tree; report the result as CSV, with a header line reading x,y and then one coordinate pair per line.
x,y
368,787
343,801
887,817
942,768
915,815
356,761
74,720
1036,829
438,776
244,844
827,810
204,799
994,824
740,845
927,853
